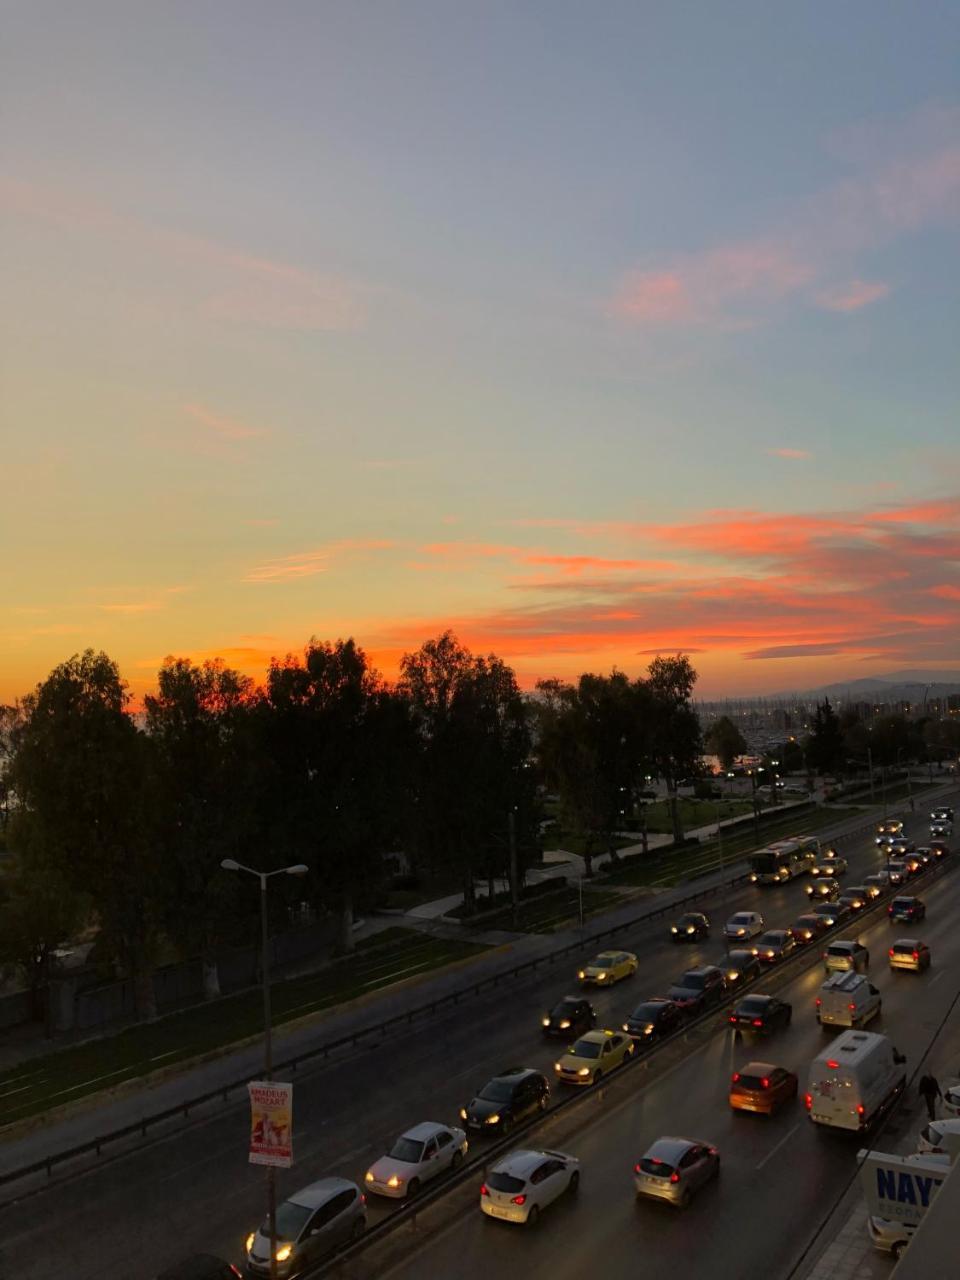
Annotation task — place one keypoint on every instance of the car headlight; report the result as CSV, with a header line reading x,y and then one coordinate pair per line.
x,y
584,1071
394,1181
368,1176
564,1024
546,1022
741,932
494,1119
582,973
733,975
673,928
463,1113
284,1252
648,1029
601,976
557,1066
753,877
689,928
249,1241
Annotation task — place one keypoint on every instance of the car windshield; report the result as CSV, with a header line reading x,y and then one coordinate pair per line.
x,y
586,1049
565,1009
771,939
695,981
605,961
904,948
291,1219
505,1182
647,1012
740,919
806,921
750,1082
905,903
689,920
496,1091
656,1167
839,948
752,1006
407,1150
680,993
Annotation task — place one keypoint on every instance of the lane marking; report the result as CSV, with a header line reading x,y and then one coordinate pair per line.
x,y
771,1154
941,974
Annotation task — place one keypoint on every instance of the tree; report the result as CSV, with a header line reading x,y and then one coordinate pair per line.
x,y
675,743
726,741
195,727
825,751
80,778
473,744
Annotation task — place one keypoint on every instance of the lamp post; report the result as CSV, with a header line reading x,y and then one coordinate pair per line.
x,y
298,869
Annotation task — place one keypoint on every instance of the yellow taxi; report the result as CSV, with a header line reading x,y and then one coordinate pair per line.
x,y
608,967
593,1056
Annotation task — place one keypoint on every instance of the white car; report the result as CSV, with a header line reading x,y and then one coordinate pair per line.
x,y
523,1183
745,924
416,1157
891,1237
951,1100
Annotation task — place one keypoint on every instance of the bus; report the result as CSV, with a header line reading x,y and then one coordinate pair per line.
x,y
784,860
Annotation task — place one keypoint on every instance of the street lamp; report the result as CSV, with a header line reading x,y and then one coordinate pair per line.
x,y
298,869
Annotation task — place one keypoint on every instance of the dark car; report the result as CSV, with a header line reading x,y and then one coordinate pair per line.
x,y
508,1098
653,1020
761,1014
832,912
776,944
699,989
906,909
690,928
202,1266
571,1017
740,967
807,927
943,813
939,848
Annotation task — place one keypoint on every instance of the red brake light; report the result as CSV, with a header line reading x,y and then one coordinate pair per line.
x,y
832,1064
636,1168
891,951
916,955
890,911
674,1177
732,1018
860,1109
765,1082
363,1198
483,1189
808,1100
820,1002
520,1199
851,1006
736,1076
758,1022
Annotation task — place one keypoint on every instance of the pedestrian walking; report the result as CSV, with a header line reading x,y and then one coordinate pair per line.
x,y
929,1091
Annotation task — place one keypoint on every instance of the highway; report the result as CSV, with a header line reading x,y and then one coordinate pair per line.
x,y
130,1217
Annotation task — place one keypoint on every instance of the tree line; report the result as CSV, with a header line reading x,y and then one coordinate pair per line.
x,y
116,822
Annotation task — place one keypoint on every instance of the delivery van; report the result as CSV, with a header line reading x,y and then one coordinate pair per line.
x,y
847,1000
854,1081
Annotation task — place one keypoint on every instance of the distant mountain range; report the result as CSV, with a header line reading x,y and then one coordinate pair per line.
x,y
896,686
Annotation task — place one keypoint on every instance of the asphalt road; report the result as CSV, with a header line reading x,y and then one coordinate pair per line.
x,y
130,1217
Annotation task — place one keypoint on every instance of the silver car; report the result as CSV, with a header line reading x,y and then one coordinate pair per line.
x,y
891,1237
674,1169
420,1154
524,1182
311,1224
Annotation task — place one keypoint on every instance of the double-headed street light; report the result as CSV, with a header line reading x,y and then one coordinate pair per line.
x,y
298,869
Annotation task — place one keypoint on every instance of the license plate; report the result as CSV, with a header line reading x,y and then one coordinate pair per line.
x,y
498,1212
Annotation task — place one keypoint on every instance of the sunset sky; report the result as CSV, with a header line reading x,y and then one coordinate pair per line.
x,y
588,330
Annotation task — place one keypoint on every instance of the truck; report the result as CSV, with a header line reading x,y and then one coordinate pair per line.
x,y
854,1081
847,1000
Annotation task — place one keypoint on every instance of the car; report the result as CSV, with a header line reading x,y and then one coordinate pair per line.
x,y
511,1096
776,944
951,1101
763,1088
888,827
897,871
831,864
674,1169
593,1056
807,927
939,848
823,890
846,954
608,967
832,912
740,967
653,1020
900,846
907,909
883,843
200,1266
417,1156
942,813
520,1185
699,989
876,883
310,1224
690,927
889,1236
925,854
909,953
942,830
871,888
759,1015
572,1016
914,864
855,898
744,925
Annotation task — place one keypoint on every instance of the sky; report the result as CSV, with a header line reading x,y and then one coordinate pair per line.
x,y
590,331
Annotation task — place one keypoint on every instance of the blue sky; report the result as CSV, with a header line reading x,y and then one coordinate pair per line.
x,y
374,318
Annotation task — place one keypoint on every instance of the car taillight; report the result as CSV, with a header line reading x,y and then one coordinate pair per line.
x,y
851,1007
819,1002
521,1199
916,955
736,1076
860,1110
758,1022
674,1177
808,1100
636,1168
732,1018
889,911
363,1198
483,1189
892,951
765,1082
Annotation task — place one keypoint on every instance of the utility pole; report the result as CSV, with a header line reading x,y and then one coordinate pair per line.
x,y
514,885
873,794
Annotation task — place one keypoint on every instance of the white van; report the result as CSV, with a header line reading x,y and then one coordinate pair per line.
x,y
847,1000
940,1135
854,1081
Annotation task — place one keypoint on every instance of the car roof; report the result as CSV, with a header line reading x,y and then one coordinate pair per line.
x,y
847,943
515,1073
758,1069
595,1037
319,1192
906,897
670,1150
757,995
700,972
908,942
426,1129
522,1162
741,951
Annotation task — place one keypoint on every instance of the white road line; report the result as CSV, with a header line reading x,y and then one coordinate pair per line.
x,y
940,975
771,1154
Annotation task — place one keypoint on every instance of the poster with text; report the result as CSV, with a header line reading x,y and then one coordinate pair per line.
x,y
271,1123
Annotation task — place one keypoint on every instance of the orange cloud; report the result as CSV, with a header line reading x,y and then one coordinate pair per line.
x,y
306,564
789,453
854,296
223,427
139,606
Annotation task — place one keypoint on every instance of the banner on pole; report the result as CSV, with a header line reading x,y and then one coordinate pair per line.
x,y
271,1123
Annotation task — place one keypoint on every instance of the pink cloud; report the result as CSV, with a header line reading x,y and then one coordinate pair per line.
x,y
793,454
221,426
854,296
307,564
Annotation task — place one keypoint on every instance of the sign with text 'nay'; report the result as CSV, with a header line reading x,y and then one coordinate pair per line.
x,y
271,1123
900,1188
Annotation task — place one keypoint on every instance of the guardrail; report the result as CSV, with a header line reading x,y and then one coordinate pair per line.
x,y
782,973
430,1008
